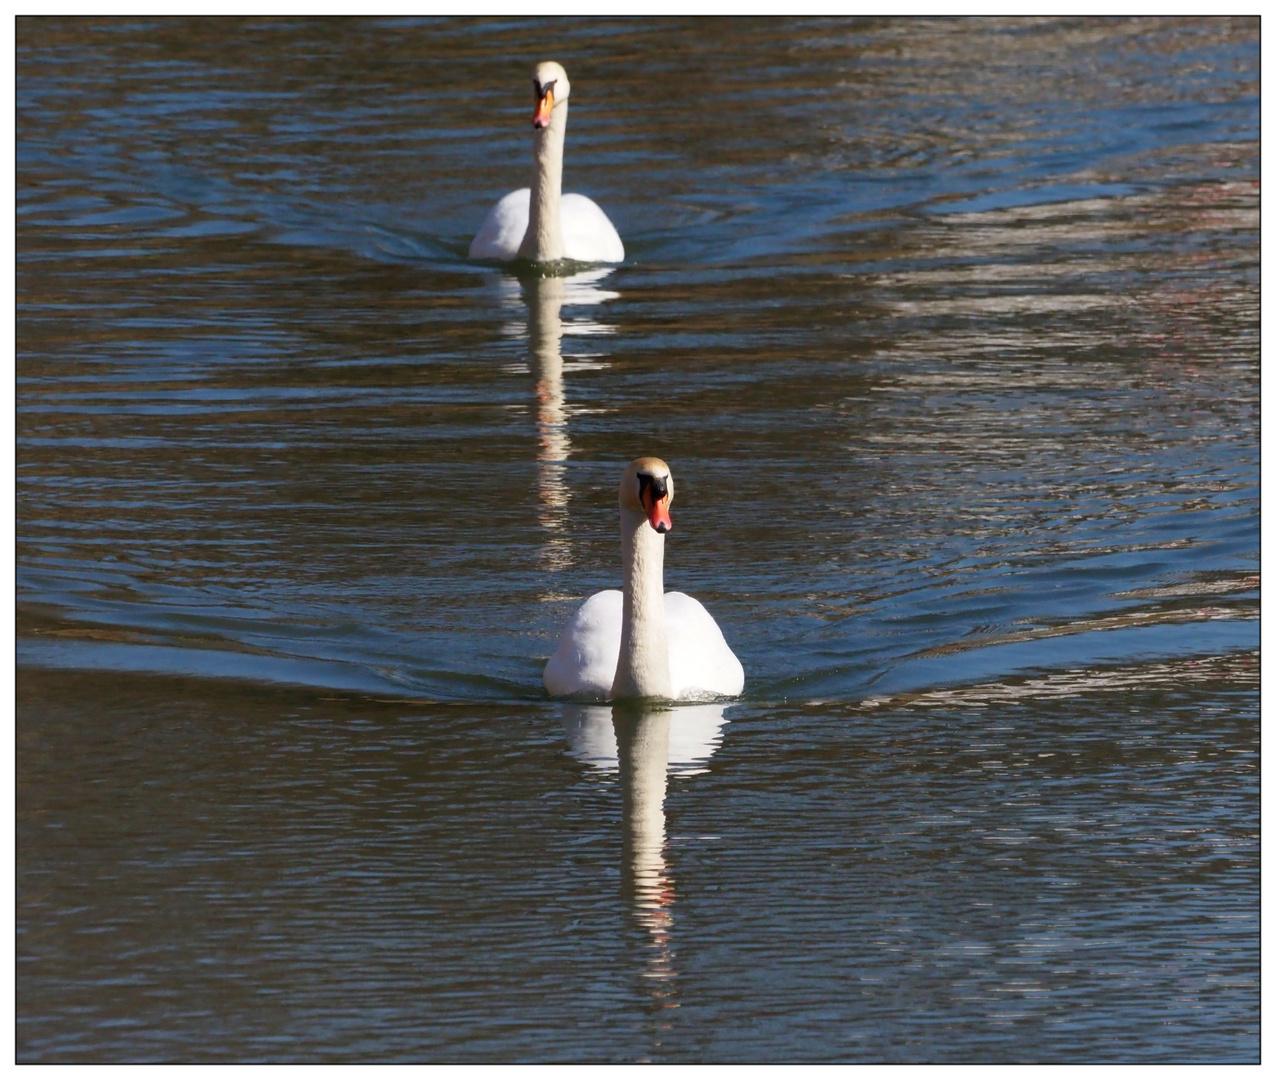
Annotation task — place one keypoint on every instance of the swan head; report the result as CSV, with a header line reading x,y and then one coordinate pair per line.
x,y
647,489
550,89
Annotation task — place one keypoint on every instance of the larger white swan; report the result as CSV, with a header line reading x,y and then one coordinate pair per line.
x,y
540,223
643,642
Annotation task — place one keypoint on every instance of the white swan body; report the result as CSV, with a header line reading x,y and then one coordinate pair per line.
x,y
701,664
642,641
588,234
540,223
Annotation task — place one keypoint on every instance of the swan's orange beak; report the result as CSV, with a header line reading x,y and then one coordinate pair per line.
x,y
540,118
657,511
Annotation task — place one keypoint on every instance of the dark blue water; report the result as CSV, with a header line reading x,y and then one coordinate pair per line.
x,y
949,332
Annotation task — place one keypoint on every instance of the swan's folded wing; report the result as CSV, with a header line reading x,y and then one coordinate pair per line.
x,y
504,228
700,661
584,664
588,234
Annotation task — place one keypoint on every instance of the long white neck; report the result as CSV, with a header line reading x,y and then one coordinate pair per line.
x,y
544,239
643,668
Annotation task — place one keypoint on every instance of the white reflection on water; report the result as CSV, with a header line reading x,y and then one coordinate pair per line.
x,y
645,745
695,733
642,738
545,297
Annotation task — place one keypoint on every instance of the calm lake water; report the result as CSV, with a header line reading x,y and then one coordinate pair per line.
x,y
950,334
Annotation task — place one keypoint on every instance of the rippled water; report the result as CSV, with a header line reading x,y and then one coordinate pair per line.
x,y
949,332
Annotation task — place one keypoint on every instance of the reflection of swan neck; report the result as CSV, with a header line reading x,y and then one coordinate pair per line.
x,y
545,332
545,335
643,666
642,740
545,322
643,746
543,241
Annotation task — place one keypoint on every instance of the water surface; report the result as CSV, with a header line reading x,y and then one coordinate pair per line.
x,y
949,332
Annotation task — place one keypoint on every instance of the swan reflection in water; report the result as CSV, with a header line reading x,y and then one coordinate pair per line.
x,y
545,329
644,744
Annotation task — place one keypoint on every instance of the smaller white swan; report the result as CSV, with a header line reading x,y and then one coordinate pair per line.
x,y
540,223
643,642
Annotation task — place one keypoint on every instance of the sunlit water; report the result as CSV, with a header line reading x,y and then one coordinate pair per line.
x,y
949,332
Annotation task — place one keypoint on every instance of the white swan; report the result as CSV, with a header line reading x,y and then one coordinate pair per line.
x,y
540,223
643,642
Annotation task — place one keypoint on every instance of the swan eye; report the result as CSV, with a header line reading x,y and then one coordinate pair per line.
x,y
541,91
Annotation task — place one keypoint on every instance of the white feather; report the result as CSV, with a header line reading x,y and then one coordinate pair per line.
x,y
701,663
588,234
